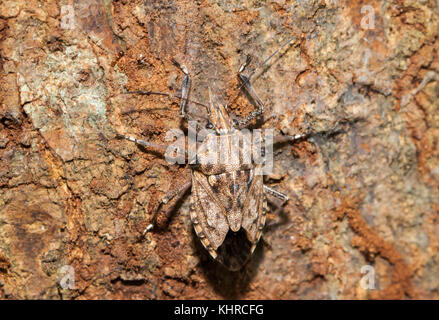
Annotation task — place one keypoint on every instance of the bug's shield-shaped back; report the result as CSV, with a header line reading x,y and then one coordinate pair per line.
x,y
211,220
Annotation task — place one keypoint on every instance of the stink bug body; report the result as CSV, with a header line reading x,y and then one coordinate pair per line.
x,y
227,209
227,197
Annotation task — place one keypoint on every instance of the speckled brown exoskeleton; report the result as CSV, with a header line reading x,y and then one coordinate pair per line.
x,y
227,209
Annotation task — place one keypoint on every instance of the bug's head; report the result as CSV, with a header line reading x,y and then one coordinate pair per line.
x,y
218,116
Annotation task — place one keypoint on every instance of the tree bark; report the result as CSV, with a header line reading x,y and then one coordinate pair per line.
x,y
363,78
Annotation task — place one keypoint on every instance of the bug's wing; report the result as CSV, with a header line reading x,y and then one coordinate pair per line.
x,y
253,216
209,216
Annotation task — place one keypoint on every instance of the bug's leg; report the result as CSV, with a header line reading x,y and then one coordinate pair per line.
x,y
246,84
279,195
276,194
177,193
159,148
144,143
279,207
185,88
285,138
277,211
265,241
311,133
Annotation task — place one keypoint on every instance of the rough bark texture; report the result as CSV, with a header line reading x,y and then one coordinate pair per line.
x,y
364,192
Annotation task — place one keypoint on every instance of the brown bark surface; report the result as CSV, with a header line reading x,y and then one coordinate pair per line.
x,y
363,192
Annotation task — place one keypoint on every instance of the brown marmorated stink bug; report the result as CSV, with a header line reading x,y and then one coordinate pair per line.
x,y
227,209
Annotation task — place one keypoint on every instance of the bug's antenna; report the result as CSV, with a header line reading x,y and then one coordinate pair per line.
x,y
148,93
246,83
248,59
271,56
185,87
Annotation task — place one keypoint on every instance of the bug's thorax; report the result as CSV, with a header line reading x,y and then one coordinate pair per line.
x,y
223,153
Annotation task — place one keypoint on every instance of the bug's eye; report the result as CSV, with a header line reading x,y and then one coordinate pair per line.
x,y
209,125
